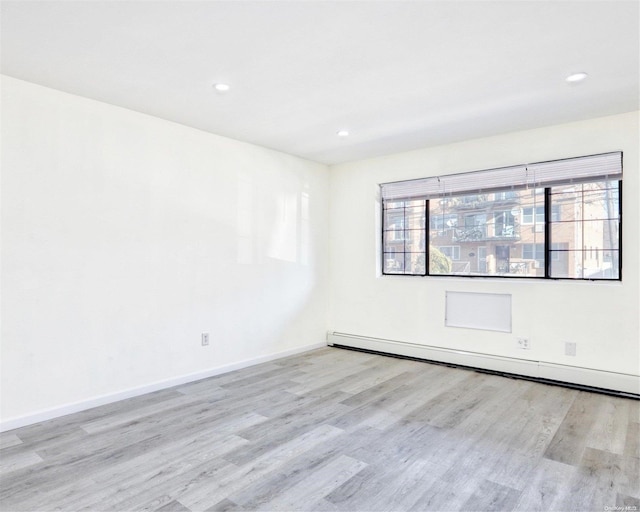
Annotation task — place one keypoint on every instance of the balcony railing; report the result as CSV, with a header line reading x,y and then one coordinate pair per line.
x,y
482,233
483,200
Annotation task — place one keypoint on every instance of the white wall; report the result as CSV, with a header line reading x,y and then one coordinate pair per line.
x,y
126,236
602,318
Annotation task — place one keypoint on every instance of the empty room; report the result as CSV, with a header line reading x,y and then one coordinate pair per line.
x,y
320,255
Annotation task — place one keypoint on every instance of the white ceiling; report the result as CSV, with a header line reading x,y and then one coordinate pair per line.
x,y
398,75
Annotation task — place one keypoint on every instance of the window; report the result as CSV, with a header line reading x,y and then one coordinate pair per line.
x,y
443,222
558,219
533,214
529,218
505,224
589,231
534,252
505,196
450,251
404,237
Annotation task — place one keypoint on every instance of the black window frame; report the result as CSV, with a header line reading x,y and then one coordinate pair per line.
x,y
548,243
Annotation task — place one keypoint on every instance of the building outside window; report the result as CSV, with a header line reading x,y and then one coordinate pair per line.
x,y
503,232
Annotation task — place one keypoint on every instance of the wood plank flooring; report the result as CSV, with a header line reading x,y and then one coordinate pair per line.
x,y
333,430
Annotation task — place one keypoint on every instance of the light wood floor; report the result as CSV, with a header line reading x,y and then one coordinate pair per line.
x,y
334,430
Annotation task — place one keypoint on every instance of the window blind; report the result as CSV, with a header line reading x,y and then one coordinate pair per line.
x,y
542,174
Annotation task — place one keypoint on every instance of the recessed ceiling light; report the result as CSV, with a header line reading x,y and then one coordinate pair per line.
x,y
343,133
576,77
221,87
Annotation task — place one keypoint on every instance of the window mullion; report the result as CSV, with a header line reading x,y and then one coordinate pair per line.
x,y
619,230
427,238
547,232
382,237
404,238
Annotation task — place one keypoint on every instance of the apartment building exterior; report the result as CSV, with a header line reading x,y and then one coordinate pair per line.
x,y
503,233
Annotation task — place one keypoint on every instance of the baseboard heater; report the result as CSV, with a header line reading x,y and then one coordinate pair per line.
x,y
585,379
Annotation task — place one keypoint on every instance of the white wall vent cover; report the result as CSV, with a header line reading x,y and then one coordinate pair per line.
x,y
485,311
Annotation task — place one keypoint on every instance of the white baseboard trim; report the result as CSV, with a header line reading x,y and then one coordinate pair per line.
x,y
606,380
83,405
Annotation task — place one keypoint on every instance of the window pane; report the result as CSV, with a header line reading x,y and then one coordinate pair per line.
x,y
585,237
414,240
601,234
393,263
404,263
567,233
404,238
565,265
415,263
483,234
391,205
393,241
591,264
559,259
394,220
439,262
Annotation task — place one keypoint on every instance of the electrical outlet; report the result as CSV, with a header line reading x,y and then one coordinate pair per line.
x,y
205,339
569,349
523,343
